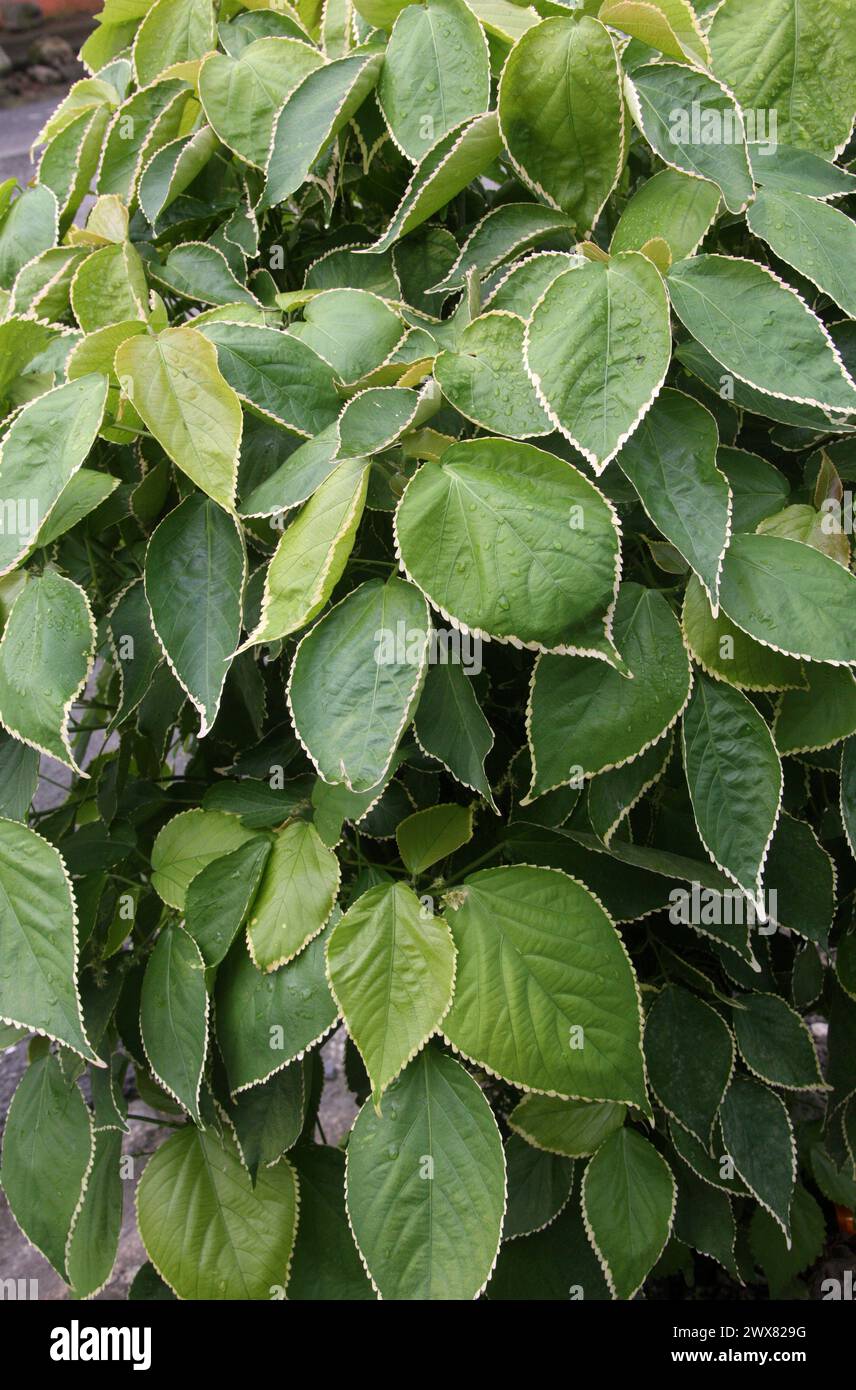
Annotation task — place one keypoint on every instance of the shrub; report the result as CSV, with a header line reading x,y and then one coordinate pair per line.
x,y
427,498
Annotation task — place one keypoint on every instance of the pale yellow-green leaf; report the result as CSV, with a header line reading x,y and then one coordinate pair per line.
x,y
312,553
175,385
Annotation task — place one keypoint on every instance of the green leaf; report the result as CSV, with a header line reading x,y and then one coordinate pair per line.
x,y
699,362
195,573
334,803
19,776
317,109
802,876
628,1199
426,1184
836,1183
110,1108
506,231
268,1119
260,804
277,374
669,25
759,1138
48,1148
236,34
174,384
728,654
172,169
801,522
790,597
671,462
220,896
574,1128
46,656
21,340
757,488
464,154
377,417
564,1017
137,653
243,94
539,1185
717,1171
186,844
42,450
80,496
109,287
704,1219
295,898
148,119
848,792
505,19
297,478
173,31
391,967
817,240
562,115
671,207
635,892
10,1035
597,348
782,1262
613,794
775,1043
430,835
807,975
355,680
449,725
343,267
627,893
201,272
326,1263
693,123
819,717
38,940
584,717
31,225
511,542
760,330
435,74
789,170
266,1021
174,1016
555,1264
352,330
207,1230
689,1054
796,60
485,379
147,1285
312,554
94,1238
735,781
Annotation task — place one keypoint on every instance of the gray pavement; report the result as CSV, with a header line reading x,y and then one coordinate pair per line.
x,y
19,125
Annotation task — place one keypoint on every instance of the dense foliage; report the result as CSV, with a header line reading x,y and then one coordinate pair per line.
x,y
427,502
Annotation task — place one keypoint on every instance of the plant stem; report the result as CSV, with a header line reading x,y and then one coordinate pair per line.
x,y
482,859
151,1120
